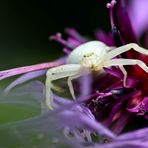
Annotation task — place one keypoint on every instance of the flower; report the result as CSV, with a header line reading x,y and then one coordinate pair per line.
x,y
138,14
140,79
104,109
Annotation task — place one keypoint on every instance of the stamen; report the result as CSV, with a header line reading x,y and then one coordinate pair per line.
x,y
116,34
66,50
58,37
110,6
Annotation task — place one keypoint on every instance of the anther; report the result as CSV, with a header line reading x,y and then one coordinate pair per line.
x,y
111,4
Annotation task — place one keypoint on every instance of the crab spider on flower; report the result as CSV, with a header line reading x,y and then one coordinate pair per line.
x,y
93,55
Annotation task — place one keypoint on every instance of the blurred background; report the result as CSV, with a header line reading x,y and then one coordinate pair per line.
x,y
25,27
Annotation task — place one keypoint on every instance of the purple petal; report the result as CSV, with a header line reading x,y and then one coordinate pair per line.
x,y
140,134
123,23
16,71
138,12
85,86
24,78
124,144
135,109
135,139
30,94
121,122
105,38
146,41
114,110
66,50
145,104
114,71
74,42
140,108
81,117
74,34
58,37
58,102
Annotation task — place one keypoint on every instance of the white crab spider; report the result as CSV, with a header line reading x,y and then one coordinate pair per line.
x,y
93,55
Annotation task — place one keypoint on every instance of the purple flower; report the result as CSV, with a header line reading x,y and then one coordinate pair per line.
x,y
138,14
75,121
104,108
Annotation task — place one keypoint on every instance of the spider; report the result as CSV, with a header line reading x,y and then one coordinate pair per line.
x,y
93,55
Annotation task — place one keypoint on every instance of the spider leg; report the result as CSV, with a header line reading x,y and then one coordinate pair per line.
x,y
69,81
59,72
117,51
124,75
122,62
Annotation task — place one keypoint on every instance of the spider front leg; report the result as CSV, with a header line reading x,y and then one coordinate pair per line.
x,y
117,51
69,70
122,62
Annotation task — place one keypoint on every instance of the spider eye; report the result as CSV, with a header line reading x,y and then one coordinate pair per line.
x,y
88,54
